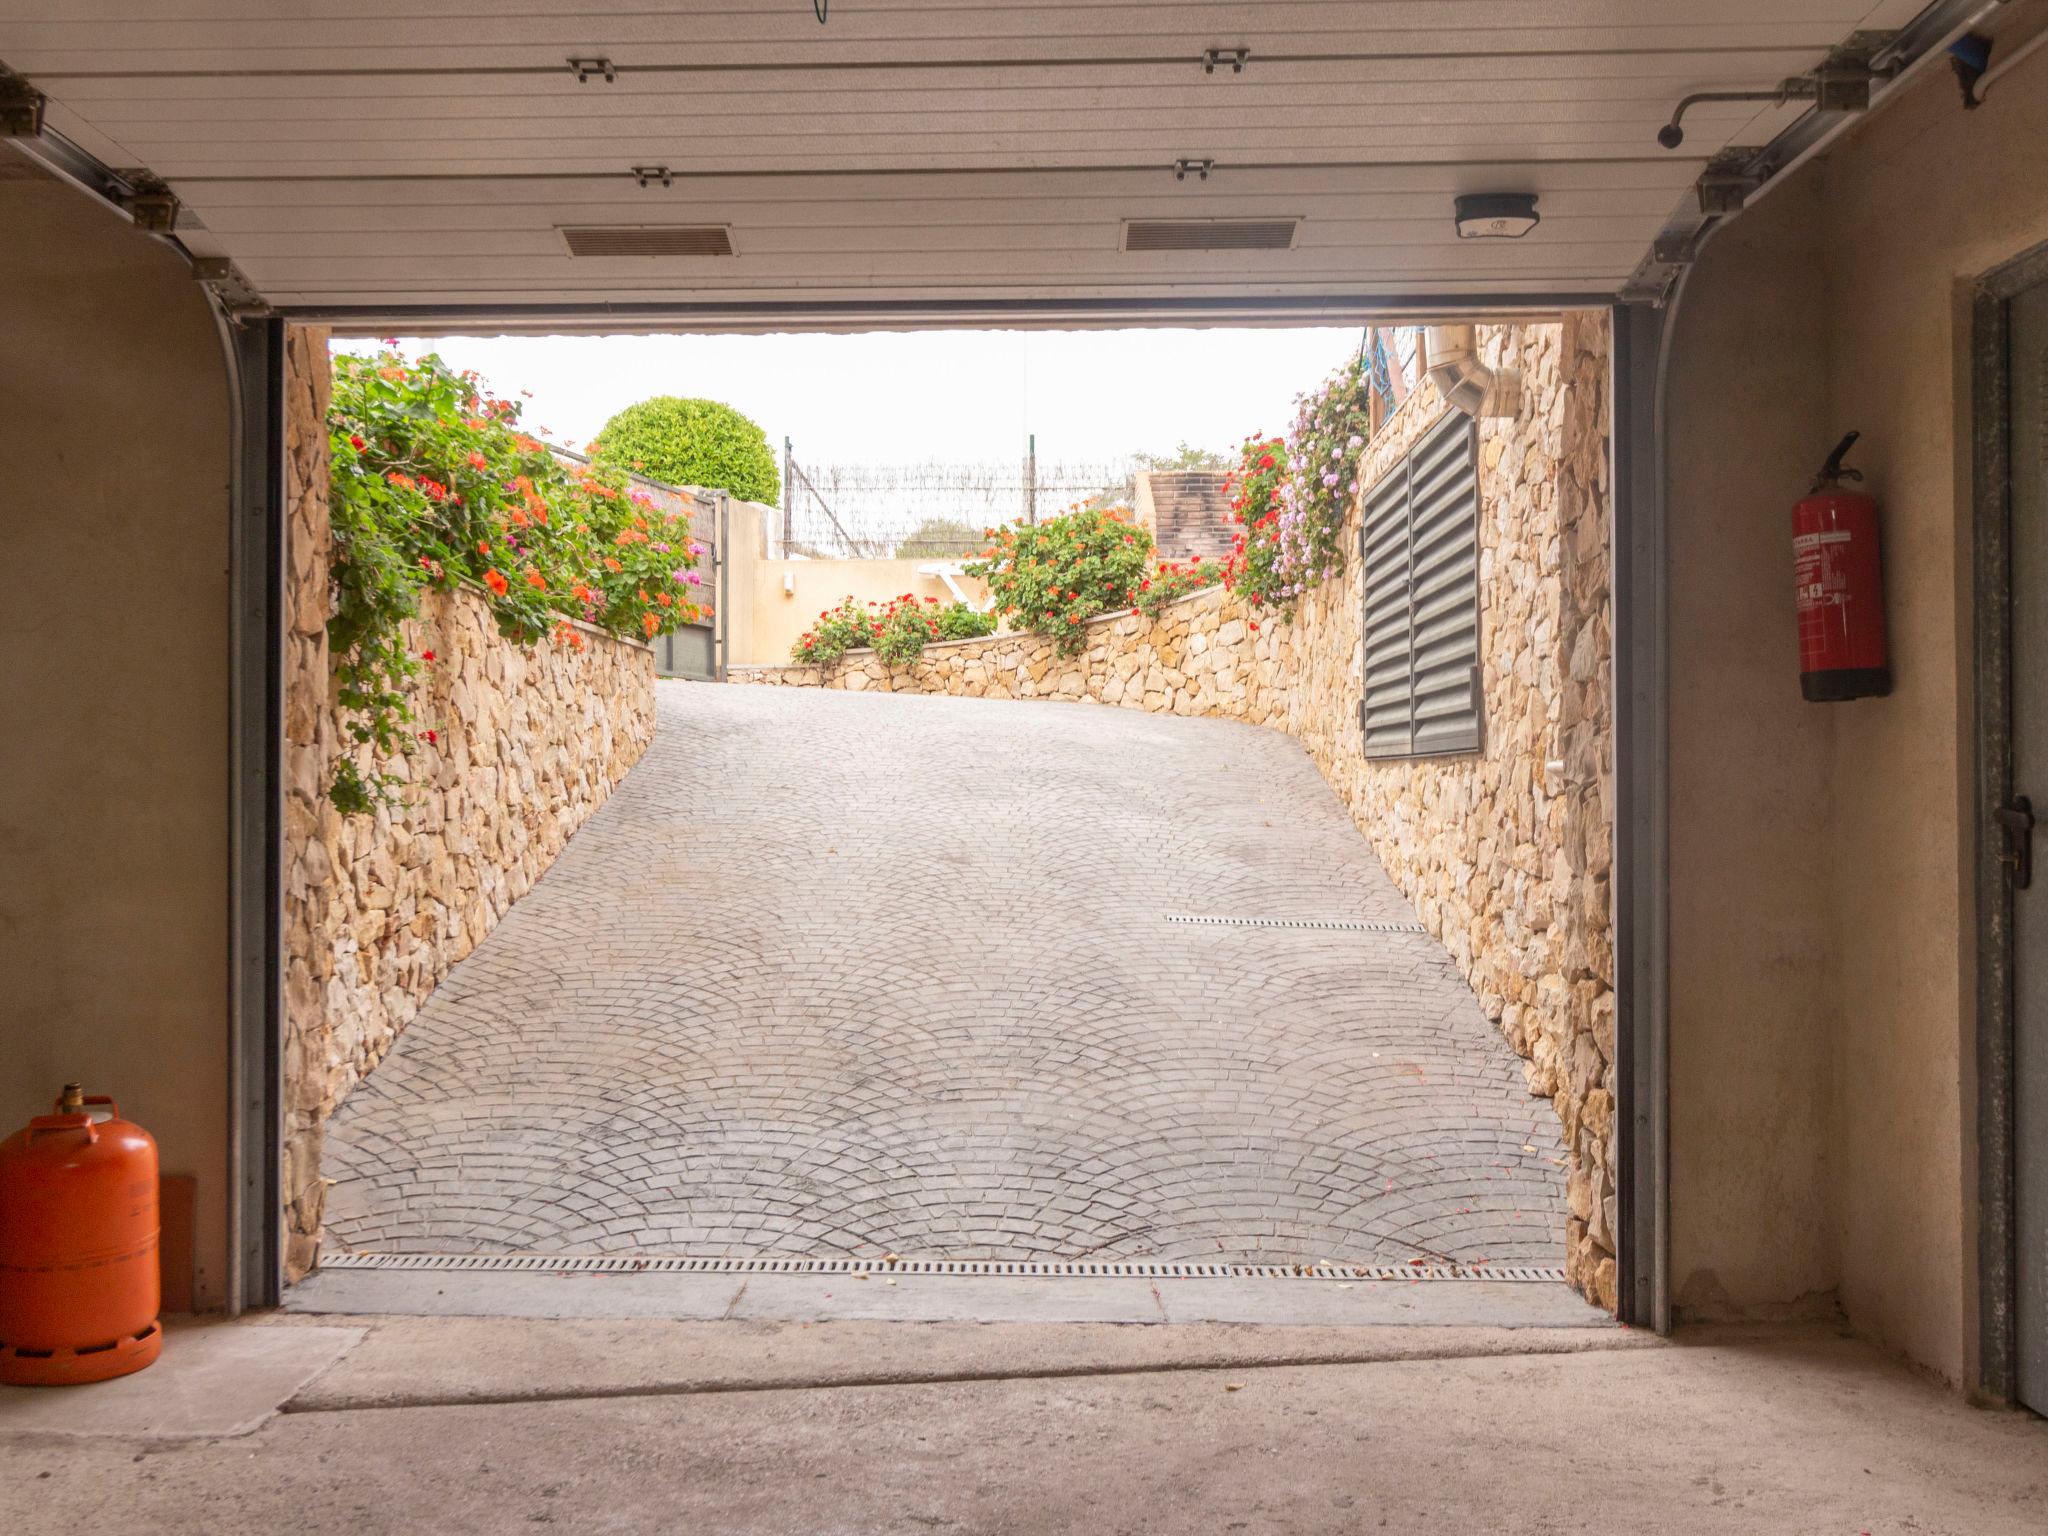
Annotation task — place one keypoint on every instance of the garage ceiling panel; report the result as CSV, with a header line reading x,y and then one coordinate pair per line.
x,y
368,153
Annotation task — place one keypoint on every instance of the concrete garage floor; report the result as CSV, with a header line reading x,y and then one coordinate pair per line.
x,y
633,1426
839,974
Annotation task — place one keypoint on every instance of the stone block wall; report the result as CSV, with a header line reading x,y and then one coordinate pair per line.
x,y
379,908
1506,852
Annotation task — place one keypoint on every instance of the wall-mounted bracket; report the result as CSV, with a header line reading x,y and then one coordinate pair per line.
x,y
21,109
1674,248
1234,59
1859,55
237,295
594,68
1725,185
1199,169
651,175
149,201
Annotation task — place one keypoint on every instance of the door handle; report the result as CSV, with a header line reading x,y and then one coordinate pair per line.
x,y
2016,817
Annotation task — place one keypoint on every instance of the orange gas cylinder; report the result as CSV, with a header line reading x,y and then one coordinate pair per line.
x,y
78,1231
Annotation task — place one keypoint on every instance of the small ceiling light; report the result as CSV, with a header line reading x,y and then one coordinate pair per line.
x,y
1496,215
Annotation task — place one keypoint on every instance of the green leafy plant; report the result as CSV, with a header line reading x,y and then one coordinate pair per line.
x,y
957,621
1252,567
849,627
433,484
1174,580
1293,494
897,631
693,442
1056,575
906,626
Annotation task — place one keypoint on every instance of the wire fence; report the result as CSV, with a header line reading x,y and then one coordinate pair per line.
x,y
941,511
933,511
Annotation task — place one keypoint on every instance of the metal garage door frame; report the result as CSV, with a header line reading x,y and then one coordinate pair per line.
x,y
254,350
1639,334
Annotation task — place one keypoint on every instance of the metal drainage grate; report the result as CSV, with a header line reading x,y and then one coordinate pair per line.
x,y
1090,1269
1300,922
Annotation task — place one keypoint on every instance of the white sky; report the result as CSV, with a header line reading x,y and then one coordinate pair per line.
x,y
916,397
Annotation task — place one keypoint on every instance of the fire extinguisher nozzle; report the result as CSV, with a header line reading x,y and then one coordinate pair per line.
x,y
1834,472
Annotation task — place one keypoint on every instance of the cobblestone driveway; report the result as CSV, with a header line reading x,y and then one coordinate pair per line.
x,y
839,973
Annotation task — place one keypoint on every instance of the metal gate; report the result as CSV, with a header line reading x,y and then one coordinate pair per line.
x,y
691,652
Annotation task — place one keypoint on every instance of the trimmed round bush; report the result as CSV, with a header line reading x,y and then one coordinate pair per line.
x,y
694,442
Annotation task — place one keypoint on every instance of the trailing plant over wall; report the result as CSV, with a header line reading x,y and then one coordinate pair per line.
x,y
694,442
897,631
433,485
1056,575
1174,580
1293,492
1252,566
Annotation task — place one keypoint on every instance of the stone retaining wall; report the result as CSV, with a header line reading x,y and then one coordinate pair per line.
x,y
1505,852
378,908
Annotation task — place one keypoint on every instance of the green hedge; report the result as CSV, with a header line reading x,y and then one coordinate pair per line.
x,y
694,442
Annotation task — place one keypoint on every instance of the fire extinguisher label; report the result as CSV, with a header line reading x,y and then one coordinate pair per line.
x,y
1838,585
1820,570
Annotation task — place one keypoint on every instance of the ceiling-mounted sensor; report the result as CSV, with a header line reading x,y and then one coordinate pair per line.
x,y
1496,215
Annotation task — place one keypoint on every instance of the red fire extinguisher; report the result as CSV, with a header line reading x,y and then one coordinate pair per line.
x,y
1839,588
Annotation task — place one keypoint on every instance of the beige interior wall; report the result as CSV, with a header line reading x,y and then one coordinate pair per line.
x,y
114,521
1821,932
1929,198
1751,961
777,616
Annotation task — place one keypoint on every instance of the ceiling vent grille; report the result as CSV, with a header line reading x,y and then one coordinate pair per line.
x,y
650,240
1210,234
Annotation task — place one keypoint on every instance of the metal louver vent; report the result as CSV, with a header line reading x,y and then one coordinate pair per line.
x,y
1210,234
649,240
1419,541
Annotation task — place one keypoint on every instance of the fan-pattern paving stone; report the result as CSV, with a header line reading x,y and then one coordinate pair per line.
x,y
837,973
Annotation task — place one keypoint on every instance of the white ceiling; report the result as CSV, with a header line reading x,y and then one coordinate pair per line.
x,y
387,153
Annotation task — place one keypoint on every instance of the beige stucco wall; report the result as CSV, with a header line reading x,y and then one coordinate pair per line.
x,y
1751,948
1822,1032
114,520
773,619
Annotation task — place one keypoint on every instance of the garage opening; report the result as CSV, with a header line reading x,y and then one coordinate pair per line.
x,y
1248,927
549,177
